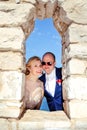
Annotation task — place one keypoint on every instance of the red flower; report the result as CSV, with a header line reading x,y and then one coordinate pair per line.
x,y
59,81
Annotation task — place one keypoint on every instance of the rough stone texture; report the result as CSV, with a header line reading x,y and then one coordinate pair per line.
x,y
11,85
81,123
77,33
11,39
77,108
74,51
11,94
30,1
75,10
17,15
4,124
79,69
11,60
10,110
75,88
16,24
45,9
34,120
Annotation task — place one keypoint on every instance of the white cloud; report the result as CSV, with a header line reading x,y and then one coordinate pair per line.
x,y
35,30
39,33
55,37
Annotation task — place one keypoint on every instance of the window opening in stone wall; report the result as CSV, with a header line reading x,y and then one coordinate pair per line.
x,y
44,38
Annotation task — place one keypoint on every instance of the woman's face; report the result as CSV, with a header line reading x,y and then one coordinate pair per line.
x,y
36,68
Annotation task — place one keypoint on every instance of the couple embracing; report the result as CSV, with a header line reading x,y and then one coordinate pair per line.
x,y
49,84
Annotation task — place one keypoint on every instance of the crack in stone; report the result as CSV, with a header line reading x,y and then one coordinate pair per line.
x,y
7,10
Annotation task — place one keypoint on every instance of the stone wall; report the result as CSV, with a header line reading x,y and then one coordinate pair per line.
x,y
16,24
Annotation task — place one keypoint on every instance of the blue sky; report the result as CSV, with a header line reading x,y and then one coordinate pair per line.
x,y
44,38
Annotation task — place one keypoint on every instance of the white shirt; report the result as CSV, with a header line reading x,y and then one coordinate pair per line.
x,y
51,82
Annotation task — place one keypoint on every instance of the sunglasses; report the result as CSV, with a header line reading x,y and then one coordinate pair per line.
x,y
47,63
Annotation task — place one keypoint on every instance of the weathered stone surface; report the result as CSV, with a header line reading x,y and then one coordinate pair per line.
x,y
50,8
29,1
75,87
76,34
75,10
17,15
77,109
11,85
40,11
78,51
11,61
11,110
11,94
76,66
13,124
12,39
4,124
45,8
39,120
81,123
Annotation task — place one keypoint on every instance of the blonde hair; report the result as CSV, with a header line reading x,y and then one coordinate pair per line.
x,y
29,62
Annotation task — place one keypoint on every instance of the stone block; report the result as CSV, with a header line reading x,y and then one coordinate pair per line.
x,y
81,123
11,39
76,51
76,66
19,15
11,93
41,120
30,1
75,10
11,109
11,61
11,85
4,124
13,124
75,88
77,33
77,108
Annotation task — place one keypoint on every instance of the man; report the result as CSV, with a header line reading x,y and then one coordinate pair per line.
x,y
52,79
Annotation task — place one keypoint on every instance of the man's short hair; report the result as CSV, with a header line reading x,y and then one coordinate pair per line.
x,y
50,54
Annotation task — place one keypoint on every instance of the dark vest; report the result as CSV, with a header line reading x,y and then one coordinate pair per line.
x,y
56,102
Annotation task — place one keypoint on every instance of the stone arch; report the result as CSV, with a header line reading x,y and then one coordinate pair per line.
x,y
16,23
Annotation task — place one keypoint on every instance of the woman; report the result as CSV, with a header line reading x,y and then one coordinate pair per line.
x,y
34,90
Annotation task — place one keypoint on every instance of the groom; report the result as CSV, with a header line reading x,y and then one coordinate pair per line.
x,y
52,80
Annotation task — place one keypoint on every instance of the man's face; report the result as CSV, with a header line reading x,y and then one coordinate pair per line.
x,y
48,63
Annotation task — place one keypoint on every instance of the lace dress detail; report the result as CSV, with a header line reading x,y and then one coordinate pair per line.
x,y
33,94
35,97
